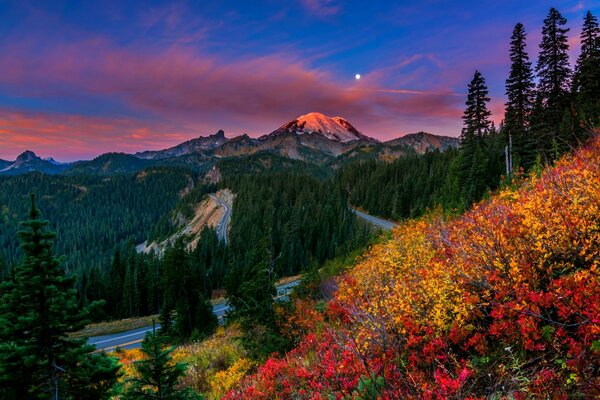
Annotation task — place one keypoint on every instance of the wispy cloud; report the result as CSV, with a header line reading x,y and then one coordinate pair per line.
x,y
409,91
181,87
321,8
577,7
69,137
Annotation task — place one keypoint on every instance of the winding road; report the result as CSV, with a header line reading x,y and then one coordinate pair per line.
x,y
132,339
381,223
223,225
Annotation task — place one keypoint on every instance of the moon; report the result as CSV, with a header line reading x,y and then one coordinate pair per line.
x,y
357,76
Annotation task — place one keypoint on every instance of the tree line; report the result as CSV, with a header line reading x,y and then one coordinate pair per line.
x,y
551,108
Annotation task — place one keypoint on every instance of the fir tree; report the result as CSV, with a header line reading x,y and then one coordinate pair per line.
x,y
159,375
253,298
472,160
476,116
590,49
520,94
586,81
38,308
117,278
553,72
253,304
4,270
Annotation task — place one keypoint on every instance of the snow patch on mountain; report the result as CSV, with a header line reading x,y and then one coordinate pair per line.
x,y
336,128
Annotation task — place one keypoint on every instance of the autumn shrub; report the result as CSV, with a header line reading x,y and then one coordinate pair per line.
x,y
216,363
501,302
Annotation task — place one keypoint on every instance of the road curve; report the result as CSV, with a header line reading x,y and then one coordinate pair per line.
x,y
132,339
223,225
381,223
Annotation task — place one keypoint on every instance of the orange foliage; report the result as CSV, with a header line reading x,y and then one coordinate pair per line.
x,y
502,301
127,359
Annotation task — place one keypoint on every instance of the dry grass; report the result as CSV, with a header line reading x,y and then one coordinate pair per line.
x,y
288,279
111,327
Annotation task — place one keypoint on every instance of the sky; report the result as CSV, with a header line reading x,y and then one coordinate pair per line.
x,y
78,79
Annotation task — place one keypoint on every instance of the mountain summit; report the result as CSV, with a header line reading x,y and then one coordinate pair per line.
x,y
336,128
28,161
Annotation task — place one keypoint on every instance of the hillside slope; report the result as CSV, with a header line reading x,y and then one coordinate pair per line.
x,y
92,215
500,302
208,213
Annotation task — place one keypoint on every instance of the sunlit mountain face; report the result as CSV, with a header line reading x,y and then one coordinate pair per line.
x,y
336,128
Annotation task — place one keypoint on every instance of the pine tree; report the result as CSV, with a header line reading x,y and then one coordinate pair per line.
x,y
476,116
159,375
4,270
590,49
173,268
520,94
117,279
253,298
472,160
554,73
252,304
586,81
38,308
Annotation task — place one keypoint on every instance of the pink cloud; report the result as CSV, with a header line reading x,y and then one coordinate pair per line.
x,y
178,93
71,137
577,7
321,8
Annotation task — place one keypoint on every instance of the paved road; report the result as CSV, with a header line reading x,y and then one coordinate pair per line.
x,y
126,340
224,224
381,223
132,339
286,288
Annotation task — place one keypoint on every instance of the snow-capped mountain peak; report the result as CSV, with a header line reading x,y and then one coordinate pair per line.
x,y
52,161
336,128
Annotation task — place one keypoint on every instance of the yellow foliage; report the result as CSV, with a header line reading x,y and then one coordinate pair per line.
x,y
127,358
438,272
222,381
401,280
222,353
213,365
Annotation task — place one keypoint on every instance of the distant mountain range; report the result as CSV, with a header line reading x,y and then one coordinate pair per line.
x,y
313,138
29,162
